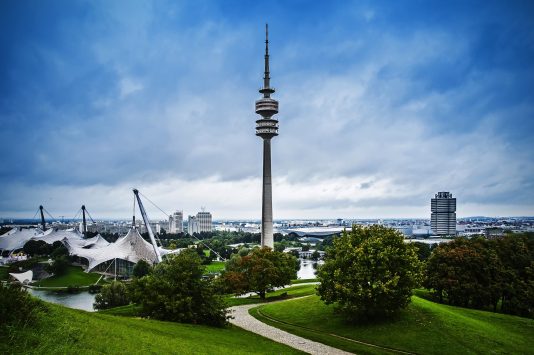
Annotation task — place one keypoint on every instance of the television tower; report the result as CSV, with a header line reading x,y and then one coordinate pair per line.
x,y
267,128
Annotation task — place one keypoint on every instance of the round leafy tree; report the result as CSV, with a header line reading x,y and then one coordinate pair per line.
x,y
112,295
369,272
260,271
176,291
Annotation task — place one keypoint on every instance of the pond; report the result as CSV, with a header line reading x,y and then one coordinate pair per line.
x,y
81,300
84,300
308,268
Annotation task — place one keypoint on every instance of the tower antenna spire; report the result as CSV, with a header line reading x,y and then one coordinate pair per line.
x,y
267,77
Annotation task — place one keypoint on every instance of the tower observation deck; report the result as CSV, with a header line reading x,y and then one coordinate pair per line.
x,y
267,128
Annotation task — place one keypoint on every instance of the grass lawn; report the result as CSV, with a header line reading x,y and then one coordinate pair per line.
x,y
75,276
424,327
302,281
286,293
61,330
215,266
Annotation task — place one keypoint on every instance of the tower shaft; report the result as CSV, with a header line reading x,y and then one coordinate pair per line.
x,y
267,238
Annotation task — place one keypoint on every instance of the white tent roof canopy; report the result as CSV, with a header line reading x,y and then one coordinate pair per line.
x,y
132,247
23,277
17,237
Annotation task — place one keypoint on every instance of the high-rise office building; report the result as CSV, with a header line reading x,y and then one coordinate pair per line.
x,y
176,222
204,221
443,216
267,128
199,223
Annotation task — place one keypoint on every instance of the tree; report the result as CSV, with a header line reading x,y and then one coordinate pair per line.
x,y
315,255
113,295
37,247
369,272
141,269
176,291
260,271
278,246
467,272
423,250
59,266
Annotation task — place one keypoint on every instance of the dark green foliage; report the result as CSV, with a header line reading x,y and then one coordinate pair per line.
x,y
58,249
260,271
423,250
37,247
315,255
113,295
59,266
176,291
369,272
480,273
279,246
23,265
142,268
17,307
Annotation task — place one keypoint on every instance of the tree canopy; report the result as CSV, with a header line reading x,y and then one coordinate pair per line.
x,y
112,295
260,271
369,272
176,291
481,273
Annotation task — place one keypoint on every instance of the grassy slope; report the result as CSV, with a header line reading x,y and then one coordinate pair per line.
x,y
75,276
132,310
286,293
424,327
302,281
68,331
215,266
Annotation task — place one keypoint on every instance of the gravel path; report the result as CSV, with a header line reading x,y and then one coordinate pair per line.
x,y
244,320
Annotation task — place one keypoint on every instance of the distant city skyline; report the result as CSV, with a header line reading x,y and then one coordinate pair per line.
x,y
383,104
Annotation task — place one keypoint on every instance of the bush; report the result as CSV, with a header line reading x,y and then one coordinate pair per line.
x,y
113,295
17,307
369,272
176,291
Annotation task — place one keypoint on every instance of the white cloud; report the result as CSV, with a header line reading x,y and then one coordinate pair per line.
x,y
128,86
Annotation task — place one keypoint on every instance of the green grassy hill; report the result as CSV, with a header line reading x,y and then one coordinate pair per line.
x,y
424,327
75,276
61,330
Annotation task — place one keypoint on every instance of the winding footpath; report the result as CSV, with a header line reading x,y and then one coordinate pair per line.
x,y
244,320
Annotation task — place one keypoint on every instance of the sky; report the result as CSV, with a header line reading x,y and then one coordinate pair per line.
x,y
382,105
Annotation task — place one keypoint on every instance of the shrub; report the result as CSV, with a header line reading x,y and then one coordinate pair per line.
x,y
113,295
369,272
176,291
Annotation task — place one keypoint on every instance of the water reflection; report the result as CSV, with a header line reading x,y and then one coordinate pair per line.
x,y
308,268
82,300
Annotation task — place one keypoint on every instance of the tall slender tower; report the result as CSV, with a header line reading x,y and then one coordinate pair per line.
x,y
267,128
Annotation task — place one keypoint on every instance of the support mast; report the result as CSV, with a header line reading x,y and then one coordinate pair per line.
x,y
147,224
43,224
84,222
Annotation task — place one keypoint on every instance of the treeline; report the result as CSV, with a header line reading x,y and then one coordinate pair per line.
x,y
495,274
